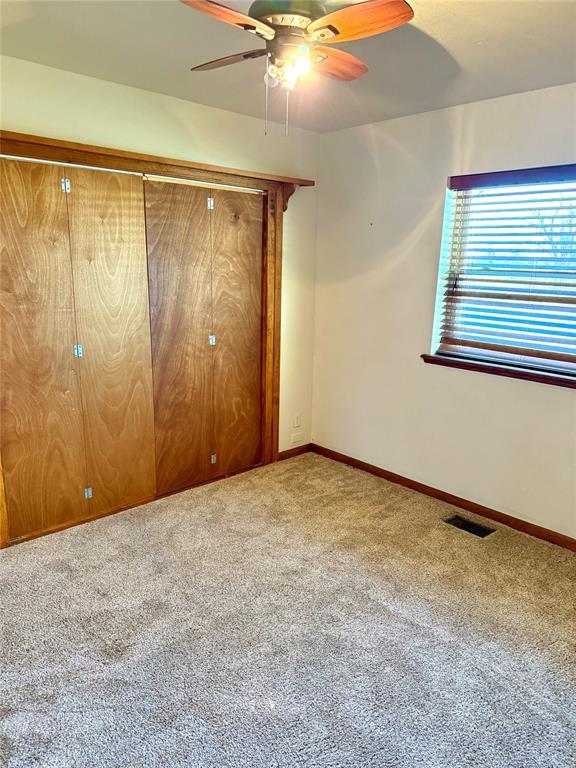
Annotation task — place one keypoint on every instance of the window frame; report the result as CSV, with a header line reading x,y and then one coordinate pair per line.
x,y
550,174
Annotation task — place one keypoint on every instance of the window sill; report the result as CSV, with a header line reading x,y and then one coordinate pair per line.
x,y
502,370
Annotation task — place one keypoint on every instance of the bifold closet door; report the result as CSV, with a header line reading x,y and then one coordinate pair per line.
x,y
41,433
205,276
179,266
237,242
108,251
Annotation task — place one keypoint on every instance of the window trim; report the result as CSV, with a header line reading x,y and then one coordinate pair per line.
x,y
497,369
554,173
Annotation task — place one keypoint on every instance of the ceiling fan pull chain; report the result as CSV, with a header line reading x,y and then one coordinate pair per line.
x,y
287,108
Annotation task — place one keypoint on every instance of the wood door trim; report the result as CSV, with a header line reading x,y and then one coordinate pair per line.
x,y
40,147
281,204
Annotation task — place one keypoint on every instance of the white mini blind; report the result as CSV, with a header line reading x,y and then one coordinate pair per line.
x,y
507,281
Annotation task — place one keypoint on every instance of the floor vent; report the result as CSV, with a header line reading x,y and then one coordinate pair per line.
x,y
467,525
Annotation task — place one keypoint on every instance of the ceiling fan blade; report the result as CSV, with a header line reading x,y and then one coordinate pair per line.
x,y
360,20
230,16
226,60
337,64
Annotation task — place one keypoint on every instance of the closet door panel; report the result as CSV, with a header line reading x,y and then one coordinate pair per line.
x,y
41,435
108,246
179,265
237,241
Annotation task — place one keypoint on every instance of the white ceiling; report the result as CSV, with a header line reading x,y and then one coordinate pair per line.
x,y
453,52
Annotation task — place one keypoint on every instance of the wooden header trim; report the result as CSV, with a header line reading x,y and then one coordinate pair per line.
x,y
57,150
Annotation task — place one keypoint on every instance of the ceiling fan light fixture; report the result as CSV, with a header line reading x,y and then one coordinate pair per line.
x,y
289,76
273,71
303,63
294,31
288,71
303,66
270,81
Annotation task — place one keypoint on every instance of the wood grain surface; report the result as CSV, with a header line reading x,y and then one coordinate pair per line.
x,y
364,19
31,465
339,65
237,242
62,151
41,436
108,247
179,267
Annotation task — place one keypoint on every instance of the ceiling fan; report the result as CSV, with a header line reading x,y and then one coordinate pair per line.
x,y
296,32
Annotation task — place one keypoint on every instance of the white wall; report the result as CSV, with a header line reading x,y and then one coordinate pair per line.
x,y
507,444
50,102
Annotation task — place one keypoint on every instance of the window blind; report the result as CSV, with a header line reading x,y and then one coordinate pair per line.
x,y
507,280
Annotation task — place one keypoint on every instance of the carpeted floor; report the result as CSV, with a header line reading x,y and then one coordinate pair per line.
x,y
302,615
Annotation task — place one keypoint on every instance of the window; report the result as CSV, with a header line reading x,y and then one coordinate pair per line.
x,y
506,300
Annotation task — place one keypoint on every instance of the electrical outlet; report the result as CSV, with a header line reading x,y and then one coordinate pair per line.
x,y
295,438
297,421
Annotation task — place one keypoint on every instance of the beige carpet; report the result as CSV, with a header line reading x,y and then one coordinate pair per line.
x,y
301,615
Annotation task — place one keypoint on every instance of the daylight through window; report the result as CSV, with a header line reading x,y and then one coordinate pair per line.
x,y
507,280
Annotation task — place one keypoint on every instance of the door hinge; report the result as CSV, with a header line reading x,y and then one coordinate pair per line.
x,y
210,203
212,340
65,185
78,350
213,459
88,492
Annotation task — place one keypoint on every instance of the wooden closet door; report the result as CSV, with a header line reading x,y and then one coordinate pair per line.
x,y
237,242
41,436
108,247
179,266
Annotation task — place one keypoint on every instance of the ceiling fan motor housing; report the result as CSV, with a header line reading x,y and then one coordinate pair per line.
x,y
285,45
275,11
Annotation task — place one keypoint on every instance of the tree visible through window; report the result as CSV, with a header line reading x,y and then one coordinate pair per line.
x,y
507,279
